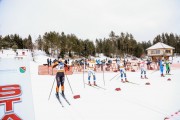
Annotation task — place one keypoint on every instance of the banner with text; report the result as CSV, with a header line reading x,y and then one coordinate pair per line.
x,y
16,100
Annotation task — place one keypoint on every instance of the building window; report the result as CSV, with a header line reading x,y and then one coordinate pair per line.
x,y
157,51
168,51
152,51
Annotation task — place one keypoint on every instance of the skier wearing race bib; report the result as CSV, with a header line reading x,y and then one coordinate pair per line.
x,y
167,63
143,69
91,72
161,66
59,76
122,72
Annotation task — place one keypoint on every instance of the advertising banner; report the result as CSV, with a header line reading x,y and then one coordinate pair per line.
x,y
16,100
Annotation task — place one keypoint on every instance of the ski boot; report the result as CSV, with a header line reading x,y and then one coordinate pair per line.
x,y
126,80
123,81
63,94
142,77
145,77
95,83
89,83
57,95
162,75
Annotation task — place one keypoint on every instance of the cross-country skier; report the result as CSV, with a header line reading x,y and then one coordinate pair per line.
x,y
91,71
122,72
118,62
161,66
59,76
167,63
143,69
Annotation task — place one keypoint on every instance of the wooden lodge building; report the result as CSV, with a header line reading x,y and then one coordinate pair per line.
x,y
160,51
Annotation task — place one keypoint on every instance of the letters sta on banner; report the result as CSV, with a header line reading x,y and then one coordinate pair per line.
x,y
10,95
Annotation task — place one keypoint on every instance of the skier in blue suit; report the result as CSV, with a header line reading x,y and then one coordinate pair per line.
x,y
161,66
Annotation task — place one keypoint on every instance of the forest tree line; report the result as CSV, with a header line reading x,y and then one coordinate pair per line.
x,y
70,44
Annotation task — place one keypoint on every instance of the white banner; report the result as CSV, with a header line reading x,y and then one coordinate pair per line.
x,y
16,101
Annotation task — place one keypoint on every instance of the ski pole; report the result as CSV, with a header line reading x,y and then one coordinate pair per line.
x,y
52,88
103,74
83,72
69,84
114,77
118,77
75,96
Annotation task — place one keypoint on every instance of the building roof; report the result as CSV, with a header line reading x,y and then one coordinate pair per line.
x,y
160,45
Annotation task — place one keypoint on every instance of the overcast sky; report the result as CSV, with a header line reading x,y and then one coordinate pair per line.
x,y
90,18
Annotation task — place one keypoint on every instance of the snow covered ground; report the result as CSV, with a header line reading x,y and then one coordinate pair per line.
x,y
133,102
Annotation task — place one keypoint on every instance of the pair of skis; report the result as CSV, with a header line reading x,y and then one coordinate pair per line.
x,y
58,97
132,83
96,86
124,82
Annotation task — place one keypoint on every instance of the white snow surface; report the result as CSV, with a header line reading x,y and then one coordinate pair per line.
x,y
134,102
